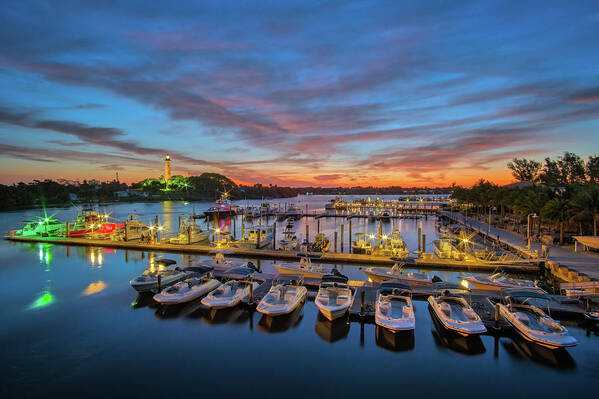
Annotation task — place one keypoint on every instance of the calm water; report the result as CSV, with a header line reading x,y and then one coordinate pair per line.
x,y
72,325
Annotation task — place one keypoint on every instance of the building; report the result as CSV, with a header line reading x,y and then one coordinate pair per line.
x,y
167,168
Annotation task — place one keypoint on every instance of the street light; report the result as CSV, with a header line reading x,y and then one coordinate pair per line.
x,y
534,215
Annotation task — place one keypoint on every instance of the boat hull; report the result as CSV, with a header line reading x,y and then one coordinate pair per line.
x,y
283,309
296,271
462,328
380,277
164,298
148,286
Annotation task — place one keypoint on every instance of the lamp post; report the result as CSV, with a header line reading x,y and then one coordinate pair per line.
x,y
534,215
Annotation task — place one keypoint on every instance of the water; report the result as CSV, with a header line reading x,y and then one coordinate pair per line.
x,y
72,325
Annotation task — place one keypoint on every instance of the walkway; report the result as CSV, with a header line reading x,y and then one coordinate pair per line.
x,y
582,262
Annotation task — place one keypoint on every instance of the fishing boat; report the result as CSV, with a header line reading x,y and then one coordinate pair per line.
x,y
187,290
380,274
190,233
398,246
497,282
394,310
165,269
229,294
131,230
444,249
223,208
282,298
90,222
453,311
292,212
321,244
531,322
362,244
289,240
304,268
42,227
334,296
255,237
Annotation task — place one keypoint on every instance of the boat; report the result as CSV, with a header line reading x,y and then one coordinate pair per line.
x,y
292,212
187,290
43,227
362,244
240,273
229,294
497,282
393,309
444,249
131,230
453,311
89,221
398,246
334,204
531,322
282,298
289,240
304,268
190,233
588,241
321,244
334,296
384,216
219,262
255,237
165,269
379,274
223,208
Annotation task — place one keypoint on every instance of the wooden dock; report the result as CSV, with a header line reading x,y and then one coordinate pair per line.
x,y
327,257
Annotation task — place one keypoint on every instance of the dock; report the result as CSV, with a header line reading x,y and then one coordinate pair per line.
x,y
530,266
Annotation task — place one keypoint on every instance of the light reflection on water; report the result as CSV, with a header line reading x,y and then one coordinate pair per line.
x,y
88,322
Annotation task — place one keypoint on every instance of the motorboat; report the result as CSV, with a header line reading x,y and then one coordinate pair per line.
x,y
384,216
334,296
187,290
223,208
190,233
289,240
334,204
444,249
497,282
531,322
398,246
304,268
379,274
282,298
453,311
362,244
255,237
219,262
131,230
165,269
42,227
292,212
240,273
393,309
89,221
229,294
321,244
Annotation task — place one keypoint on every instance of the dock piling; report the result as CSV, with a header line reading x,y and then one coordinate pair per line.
x,y
335,241
307,233
274,236
349,238
251,294
159,283
318,225
420,239
341,237
362,302
423,243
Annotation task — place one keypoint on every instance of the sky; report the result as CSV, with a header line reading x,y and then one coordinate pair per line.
x,y
295,93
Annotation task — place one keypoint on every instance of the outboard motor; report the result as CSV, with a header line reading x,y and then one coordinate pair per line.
x,y
437,279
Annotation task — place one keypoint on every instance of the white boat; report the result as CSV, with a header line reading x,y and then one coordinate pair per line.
x,y
398,246
444,249
187,290
531,322
228,295
497,282
190,233
289,240
292,212
362,244
379,274
304,268
334,296
282,299
255,237
219,262
588,241
453,311
165,269
394,311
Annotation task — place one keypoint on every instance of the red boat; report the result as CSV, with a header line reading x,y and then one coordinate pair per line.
x,y
89,221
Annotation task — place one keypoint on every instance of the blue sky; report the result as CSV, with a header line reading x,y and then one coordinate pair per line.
x,y
297,93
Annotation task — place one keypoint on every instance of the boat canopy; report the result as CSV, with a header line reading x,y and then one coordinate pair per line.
x,y
523,293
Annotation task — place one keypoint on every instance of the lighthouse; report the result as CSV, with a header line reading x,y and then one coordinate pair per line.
x,y
167,168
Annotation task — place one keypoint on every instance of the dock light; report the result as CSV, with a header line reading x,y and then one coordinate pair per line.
x,y
40,223
160,228
371,236
151,227
465,284
465,240
217,230
385,236
46,220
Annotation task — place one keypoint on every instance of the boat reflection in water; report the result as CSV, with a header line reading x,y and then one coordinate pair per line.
x,y
400,341
277,324
143,300
466,345
332,331
235,314
518,347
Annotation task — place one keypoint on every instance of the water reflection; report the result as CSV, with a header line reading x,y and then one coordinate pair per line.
x,y
332,331
280,324
553,358
394,341
94,288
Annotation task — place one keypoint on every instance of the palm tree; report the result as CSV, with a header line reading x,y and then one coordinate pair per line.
x,y
558,210
586,204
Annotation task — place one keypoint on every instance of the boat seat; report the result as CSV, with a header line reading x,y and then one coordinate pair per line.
x,y
445,308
